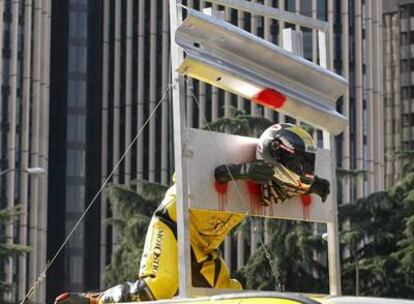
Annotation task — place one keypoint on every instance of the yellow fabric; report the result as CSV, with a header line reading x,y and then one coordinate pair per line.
x,y
208,229
158,269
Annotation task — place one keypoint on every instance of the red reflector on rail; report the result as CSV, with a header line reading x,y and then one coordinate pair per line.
x,y
270,98
62,297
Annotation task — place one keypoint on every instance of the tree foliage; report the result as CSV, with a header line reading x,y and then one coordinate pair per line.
x,y
133,207
380,242
8,250
240,124
290,264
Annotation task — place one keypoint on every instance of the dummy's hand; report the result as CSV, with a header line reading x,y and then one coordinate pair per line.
x,y
258,171
321,187
118,293
78,298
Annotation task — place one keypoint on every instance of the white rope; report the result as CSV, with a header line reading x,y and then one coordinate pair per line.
x,y
42,275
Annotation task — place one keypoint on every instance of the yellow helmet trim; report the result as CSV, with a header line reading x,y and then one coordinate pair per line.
x,y
305,136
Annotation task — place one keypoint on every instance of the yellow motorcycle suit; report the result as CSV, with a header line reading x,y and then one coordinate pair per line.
x,y
284,168
158,275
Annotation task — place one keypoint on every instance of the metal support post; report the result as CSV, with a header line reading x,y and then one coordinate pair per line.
x,y
293,42
332,227
184,257
328,142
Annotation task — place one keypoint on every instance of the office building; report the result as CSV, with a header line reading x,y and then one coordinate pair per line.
x,y
109,67
24,120
398,20
133,73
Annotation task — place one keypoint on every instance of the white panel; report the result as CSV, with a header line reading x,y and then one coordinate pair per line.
x,y
207,150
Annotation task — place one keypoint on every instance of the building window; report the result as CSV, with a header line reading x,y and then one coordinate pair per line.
x,y
76,127
75,198
78,24
76,93
76,268
75,163
77,59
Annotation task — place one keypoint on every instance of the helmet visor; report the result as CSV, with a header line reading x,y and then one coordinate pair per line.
x,y
303,164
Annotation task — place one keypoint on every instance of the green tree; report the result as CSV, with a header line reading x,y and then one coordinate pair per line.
x,y
240,123
380,242
8,250
134,207
290,265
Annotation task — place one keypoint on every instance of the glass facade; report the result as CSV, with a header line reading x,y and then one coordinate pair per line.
x,y
76,141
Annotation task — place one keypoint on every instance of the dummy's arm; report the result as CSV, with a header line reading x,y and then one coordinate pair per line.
x,y
321,187
258,171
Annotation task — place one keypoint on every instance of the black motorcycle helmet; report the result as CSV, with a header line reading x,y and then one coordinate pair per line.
x,y
290,146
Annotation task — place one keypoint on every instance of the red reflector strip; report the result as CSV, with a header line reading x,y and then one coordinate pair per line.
x,y
270,98
62,297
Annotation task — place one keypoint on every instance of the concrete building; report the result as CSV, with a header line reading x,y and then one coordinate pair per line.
x,y
398,20
24,119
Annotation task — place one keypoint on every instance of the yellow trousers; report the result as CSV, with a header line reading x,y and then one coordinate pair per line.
x,y
158,275
159,270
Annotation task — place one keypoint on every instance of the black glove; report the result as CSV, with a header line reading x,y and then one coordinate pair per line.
x,y
128,292
321,187
258,171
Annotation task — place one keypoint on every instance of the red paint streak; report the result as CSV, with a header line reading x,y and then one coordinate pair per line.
x,y
306,203
270,98
221,189
62,297
255,191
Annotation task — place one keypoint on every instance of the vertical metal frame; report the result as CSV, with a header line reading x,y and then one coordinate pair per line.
x,y
332,227
184,256
325,55
322,27
329,144
292,41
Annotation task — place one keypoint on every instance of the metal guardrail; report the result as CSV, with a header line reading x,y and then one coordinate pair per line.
x,y
237,61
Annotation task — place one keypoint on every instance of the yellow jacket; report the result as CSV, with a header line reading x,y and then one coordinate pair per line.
x,y
208,228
